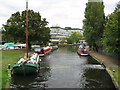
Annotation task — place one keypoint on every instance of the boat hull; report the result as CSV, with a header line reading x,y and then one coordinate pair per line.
x,y
82,53
54,48
44,51
26,69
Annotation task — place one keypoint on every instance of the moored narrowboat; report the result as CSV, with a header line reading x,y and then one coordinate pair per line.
x,y
82,52
27,67
43,51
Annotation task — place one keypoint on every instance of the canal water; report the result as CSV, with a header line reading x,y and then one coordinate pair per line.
x,y
64,68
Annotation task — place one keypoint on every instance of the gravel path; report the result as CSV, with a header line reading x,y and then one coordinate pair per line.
x,y
107,60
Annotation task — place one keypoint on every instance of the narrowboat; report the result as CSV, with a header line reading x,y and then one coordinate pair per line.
x,y
54,48
43,51
82,52
27,67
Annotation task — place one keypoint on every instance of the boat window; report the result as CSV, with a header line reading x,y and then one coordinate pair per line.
x,y
37,49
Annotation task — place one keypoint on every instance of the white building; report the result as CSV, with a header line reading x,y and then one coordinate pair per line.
x,y
71,30
59,34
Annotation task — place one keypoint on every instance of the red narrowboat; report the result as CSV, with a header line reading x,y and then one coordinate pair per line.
x,y
82,52
43,51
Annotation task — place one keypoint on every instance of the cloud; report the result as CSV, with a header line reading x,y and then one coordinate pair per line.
x,y
62,12
110,6
66,13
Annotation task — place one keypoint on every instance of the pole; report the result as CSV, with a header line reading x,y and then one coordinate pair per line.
x,y
26,29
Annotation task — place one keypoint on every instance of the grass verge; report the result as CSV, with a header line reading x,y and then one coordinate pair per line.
x,y
0,69
9,57
115,72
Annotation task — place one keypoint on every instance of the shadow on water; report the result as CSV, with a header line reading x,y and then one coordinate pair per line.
x,y
96,75
70,49
92,61
65,69
97,78
22,82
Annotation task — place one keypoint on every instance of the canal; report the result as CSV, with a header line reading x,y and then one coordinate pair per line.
x,y
64,68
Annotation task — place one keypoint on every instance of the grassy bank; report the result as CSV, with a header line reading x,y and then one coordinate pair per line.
x,y
115,72
9,57
0,69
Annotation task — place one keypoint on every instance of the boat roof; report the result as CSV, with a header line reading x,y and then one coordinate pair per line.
x,y
9,44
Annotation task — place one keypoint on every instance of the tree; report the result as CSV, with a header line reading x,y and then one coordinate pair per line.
x,y
74,38
93,24
111,39
15,28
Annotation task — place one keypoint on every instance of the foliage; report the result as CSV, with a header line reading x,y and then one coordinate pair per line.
x,y
74,38
94,23
63,41
16,26
111,39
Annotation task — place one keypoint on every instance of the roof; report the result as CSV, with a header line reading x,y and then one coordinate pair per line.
x,y
67,28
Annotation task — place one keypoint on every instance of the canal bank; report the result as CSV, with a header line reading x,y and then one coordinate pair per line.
x,y
112,66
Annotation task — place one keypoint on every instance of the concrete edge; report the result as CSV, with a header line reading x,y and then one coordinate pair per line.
x,y
109,72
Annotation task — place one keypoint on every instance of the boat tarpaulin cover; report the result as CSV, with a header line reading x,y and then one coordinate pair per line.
x,y
9,44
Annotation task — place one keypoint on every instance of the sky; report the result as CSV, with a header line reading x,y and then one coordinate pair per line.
x,y
63,13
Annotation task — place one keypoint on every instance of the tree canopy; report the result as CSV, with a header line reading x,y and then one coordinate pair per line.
x,y
101,31
15,28
75,37
111,39
94,23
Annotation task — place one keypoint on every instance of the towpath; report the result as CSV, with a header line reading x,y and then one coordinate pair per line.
x,y
109,62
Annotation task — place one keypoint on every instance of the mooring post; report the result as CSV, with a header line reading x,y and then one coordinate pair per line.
x,y
9,66
9,70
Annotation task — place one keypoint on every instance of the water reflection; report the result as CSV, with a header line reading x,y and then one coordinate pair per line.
x,y
22,81
65,69
43,75
72,49
97,78
91,60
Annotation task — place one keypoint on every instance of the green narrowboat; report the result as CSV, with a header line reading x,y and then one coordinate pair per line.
x,y
27,67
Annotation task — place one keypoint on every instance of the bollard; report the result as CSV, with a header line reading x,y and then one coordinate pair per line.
x,y
9,71
9,66
113,70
